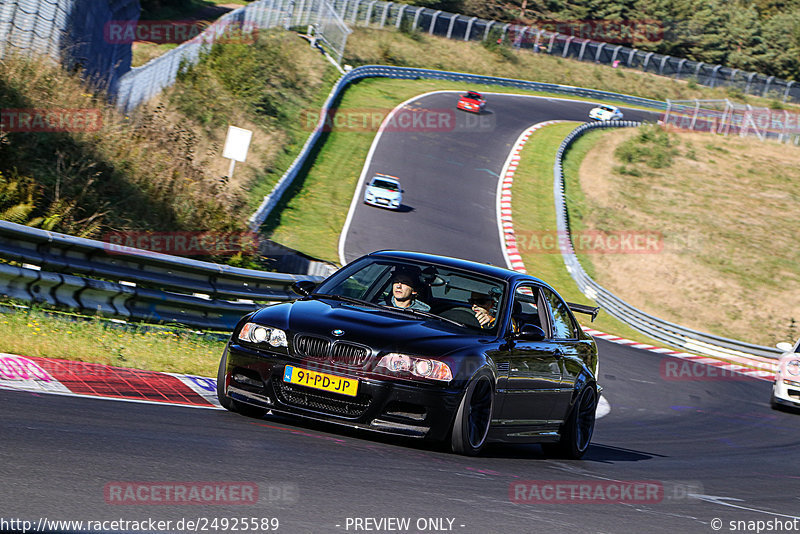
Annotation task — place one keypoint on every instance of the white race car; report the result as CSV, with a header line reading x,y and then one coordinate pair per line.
x,y
786,390
605,112
384,191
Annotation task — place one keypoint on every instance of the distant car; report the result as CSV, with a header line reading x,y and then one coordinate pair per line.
x,y
786,389
346,354
605,113
471,101
384,191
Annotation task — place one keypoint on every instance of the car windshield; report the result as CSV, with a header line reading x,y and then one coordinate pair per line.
x,y
470,94
450,294
606,108
385,184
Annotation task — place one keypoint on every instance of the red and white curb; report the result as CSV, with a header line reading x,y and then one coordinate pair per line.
x,y
761,368
80,379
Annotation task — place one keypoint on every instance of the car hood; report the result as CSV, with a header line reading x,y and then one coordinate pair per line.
x,y
385,193
384,330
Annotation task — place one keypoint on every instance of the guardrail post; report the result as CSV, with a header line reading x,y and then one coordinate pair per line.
x,y
786,92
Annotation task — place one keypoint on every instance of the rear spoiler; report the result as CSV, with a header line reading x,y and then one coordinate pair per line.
x,y
583,308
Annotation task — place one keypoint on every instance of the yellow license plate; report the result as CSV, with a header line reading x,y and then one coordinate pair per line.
x,y
323,381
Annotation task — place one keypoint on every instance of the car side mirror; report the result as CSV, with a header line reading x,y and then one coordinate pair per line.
x,y
783,346
530,332
303,287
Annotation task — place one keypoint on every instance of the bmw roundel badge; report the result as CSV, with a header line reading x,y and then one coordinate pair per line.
x,y
338,332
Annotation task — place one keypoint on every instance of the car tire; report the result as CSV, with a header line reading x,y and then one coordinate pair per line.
x,y
228,403
773,402
471,425
576,433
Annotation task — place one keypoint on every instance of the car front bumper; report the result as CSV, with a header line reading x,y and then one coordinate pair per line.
x,y
786,394
382,404
383,203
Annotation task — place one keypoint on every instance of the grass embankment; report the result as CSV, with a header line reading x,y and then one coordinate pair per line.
x,y
166,160
36,333
160,168
533,210
726,212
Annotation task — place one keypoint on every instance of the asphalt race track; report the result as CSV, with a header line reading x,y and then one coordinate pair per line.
x,y
678,452
714,438
449,175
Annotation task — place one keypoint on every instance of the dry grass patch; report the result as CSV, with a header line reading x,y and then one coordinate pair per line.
x,y
729,214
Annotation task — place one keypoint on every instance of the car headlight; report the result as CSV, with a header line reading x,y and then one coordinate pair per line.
x,y
421,367
793,367
256,333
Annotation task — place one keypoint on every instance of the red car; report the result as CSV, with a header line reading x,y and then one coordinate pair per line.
x,y
471,101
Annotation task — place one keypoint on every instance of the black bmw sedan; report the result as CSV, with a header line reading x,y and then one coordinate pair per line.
x,y
423,346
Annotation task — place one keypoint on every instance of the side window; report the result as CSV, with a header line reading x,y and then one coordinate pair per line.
x,y
525,309
564,326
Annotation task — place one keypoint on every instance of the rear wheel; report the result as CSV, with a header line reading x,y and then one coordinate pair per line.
x,y
576,434
471,425
229,403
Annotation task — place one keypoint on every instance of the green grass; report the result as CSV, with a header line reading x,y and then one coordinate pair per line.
x,y
533,210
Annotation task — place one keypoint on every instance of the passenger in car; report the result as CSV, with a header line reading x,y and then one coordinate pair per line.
x,y
483,308
405,285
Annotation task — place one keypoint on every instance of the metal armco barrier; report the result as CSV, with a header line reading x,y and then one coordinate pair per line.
x,y
675,335
97,277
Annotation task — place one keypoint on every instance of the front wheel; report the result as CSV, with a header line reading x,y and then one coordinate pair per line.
x,y
577,431
228,403
471,425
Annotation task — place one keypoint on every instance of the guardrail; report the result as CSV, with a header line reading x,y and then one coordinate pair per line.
x,y
126,283
377,71
675,335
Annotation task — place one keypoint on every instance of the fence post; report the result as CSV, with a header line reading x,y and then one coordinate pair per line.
x,y
468,33
714,75
400,16
385,13
661,67
450,27
416,18
786,92
566,45
487,28
766,86
599,50
433,22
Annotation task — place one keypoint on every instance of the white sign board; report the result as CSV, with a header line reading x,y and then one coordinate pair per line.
x,y
237,143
